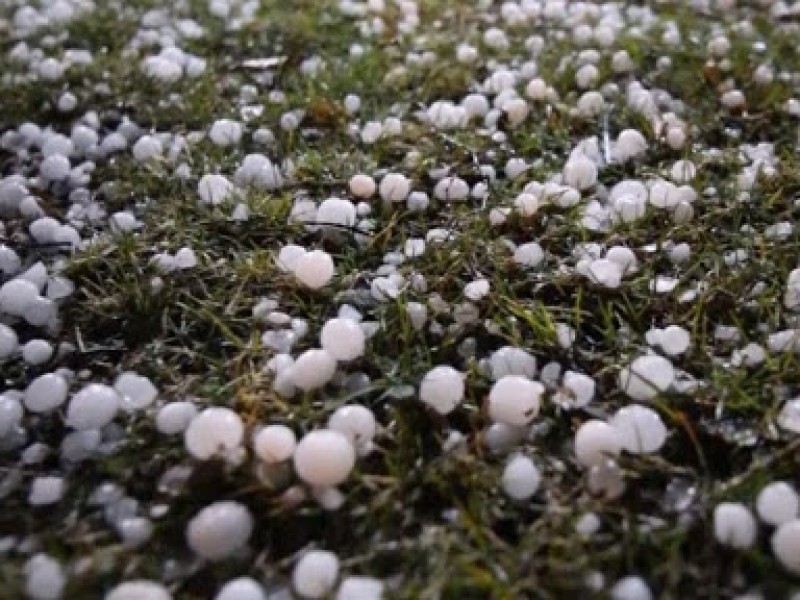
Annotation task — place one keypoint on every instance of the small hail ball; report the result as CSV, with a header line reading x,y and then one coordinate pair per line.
x,y
510,360
174,417
778,503
219,530
356,422
315,574
595,442
344,339
314,269
394,187
46,393
360,588
214,431
313,369
44,578
324,458
336,212
362,186
137,392
521,478
139,589
646,377
631,588
515,400
786,546
640,429
93,407
274,443
241,588
442,389
580,172
734,525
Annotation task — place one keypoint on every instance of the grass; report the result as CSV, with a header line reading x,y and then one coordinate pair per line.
x,y
432,521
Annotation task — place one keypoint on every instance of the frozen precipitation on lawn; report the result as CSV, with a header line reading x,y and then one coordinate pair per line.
x,y
411,282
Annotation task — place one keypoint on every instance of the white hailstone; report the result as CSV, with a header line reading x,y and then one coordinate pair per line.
x,y
241,588
394,187
162,69
335,211
225,132
288,256
44,578
219,530
46,393
37,352
590,104
529,255
356,422
442,389
414,247
360,588
580,389
477,290
640,429
11,413
51,69
215,189
274,443
786,546
417,314
631,588
10,262
515,167
733,99
586,76
516,111
628,208
789,417
778,503
46,490
314,269
16,296
147,147
362,186
595,442
313,369
734,525
673,340
630,144
185,258
527,204
139,589
624,257
55,168
646,377
315,574
324,458
418,201
174,417
371,132
588,525
515,400
9,343
214,431
451,189
259,171
521,478
605,272
93,407
683,171
580,172
510,360
137,392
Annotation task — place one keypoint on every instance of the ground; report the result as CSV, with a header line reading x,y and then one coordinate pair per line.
x,y
429,520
